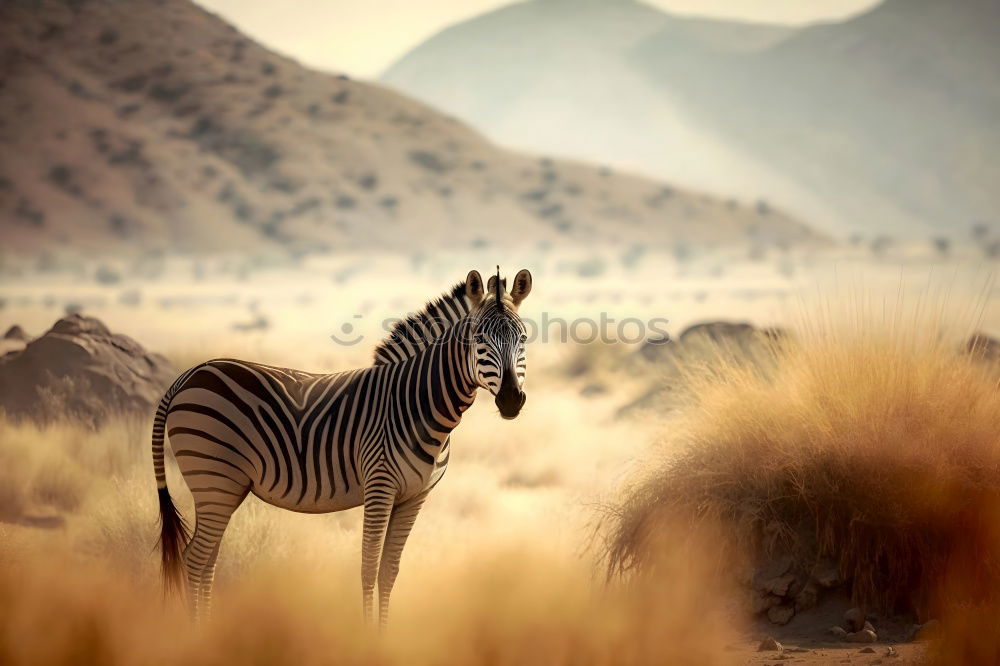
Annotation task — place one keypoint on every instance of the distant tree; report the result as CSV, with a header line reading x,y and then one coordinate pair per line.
x,y
880,244
107,275
633,255
682,252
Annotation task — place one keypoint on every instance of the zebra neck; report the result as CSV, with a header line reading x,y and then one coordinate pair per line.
x,y
447,367
461,360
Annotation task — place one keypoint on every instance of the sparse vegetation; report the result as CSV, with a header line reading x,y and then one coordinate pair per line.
x,y
107,275
428,160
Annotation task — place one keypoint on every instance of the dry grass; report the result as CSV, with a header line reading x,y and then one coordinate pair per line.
x,y
511,604
45,470
493,572
877,447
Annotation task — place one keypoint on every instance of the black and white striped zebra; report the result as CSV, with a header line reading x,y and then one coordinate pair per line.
x,y
376,437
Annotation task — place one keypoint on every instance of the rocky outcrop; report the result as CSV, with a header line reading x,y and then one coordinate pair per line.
x,y
983,347
713,337
80,371
17,333
701,345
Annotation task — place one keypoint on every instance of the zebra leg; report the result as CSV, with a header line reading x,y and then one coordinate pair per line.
x,y
379,498
400,524
213,509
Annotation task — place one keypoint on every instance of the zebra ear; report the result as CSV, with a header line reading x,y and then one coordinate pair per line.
x,y
474,287
522,286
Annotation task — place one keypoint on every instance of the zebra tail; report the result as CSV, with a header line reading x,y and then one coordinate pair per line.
x,y
173,539
173,530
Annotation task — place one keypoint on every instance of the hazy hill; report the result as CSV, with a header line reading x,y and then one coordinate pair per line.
x,y
558,75
147,124
890,116
884,123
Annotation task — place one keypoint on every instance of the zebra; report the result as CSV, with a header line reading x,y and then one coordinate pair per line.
x,y
377,437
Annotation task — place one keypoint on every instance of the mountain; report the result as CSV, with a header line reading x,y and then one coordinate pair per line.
x,y
882,123
558,76
889,116
155,125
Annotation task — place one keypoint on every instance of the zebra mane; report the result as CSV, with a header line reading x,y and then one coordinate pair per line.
x,y
415,333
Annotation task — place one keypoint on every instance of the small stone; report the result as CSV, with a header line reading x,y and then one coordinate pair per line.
x,y
928,631
838,632
891,652
854,619
780,614
826,574
867,650
863,636
769,645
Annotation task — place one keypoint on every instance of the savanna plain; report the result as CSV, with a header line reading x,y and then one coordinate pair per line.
x,y
620,519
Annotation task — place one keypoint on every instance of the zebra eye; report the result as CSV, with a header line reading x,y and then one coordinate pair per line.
x,y
524,338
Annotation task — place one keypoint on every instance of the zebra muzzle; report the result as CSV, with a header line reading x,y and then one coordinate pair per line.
x,y
510,403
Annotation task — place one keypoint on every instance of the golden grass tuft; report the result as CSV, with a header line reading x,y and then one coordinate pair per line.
x,y
51,469
507,604
875,448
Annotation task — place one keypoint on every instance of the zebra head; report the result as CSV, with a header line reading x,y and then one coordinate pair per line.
x,y
497,358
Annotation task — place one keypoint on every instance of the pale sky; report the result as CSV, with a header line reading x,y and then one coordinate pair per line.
x,y
363,37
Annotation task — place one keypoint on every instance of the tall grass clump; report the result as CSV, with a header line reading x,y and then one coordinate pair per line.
x,y
877,447
52,468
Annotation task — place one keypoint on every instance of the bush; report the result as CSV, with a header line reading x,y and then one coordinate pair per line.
x,y
52,468
878,451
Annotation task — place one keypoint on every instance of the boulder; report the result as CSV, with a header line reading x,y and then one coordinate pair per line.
x,y
807,597
81,371
983,347
863,636
778,585
769,644
709,338
927,631
762,602
17,333
838,632
718,332
854,619
826,574
780,614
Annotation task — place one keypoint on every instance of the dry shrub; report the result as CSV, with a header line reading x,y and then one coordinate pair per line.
x,y
51,468
877,448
